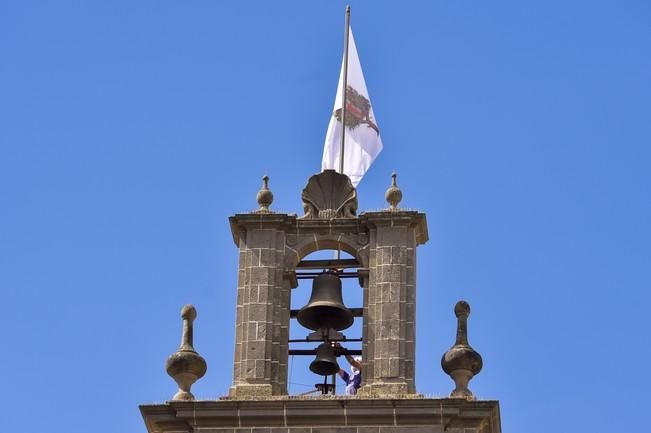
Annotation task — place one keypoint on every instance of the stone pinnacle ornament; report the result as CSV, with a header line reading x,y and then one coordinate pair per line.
x,y
185,365
393,195
461,362
265,197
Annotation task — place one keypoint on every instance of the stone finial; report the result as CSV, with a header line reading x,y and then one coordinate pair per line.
x,y
461,362
185,365
265,197
393,194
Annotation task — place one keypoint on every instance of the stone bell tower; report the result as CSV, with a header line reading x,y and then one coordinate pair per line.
x,y
272,246
272,250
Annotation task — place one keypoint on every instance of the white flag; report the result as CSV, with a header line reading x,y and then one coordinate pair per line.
x,y
362,142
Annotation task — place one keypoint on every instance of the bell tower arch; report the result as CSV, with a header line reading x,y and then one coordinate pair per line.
x,y
272,246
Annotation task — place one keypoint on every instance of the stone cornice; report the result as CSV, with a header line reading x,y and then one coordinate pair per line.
x,y
179,416
361,224
239,222
397,218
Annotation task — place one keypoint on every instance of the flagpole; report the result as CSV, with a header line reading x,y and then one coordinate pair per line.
x,y
343,93
343,114
343,132
343,126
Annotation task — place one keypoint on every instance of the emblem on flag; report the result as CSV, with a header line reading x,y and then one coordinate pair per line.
x,y
358,111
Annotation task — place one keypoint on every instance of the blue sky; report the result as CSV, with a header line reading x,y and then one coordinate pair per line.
x,y
130,131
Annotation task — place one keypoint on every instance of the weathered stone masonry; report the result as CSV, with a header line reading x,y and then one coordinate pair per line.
x,y
271,245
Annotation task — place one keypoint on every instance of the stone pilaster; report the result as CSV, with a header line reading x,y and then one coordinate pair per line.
x,y
262,312
389,350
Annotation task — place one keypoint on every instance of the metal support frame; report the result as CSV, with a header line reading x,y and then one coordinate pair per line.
x,y
313,275
328,264
312,352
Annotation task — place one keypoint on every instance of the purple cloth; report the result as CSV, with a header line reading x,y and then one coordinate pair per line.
x,y
353,382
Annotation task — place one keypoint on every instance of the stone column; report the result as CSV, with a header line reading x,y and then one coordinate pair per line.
x,y
262,318
390,302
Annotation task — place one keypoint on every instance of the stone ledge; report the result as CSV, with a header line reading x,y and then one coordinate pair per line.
x,y
399,217
360,224
240,222
318,397
349,415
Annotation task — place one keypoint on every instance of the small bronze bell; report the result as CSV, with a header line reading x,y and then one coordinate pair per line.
x,y
326,308
325,362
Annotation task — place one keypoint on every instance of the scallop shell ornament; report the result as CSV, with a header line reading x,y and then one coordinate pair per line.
x,y
329,195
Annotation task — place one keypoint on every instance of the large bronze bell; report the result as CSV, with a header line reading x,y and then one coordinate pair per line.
x,y
326,308
325,362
